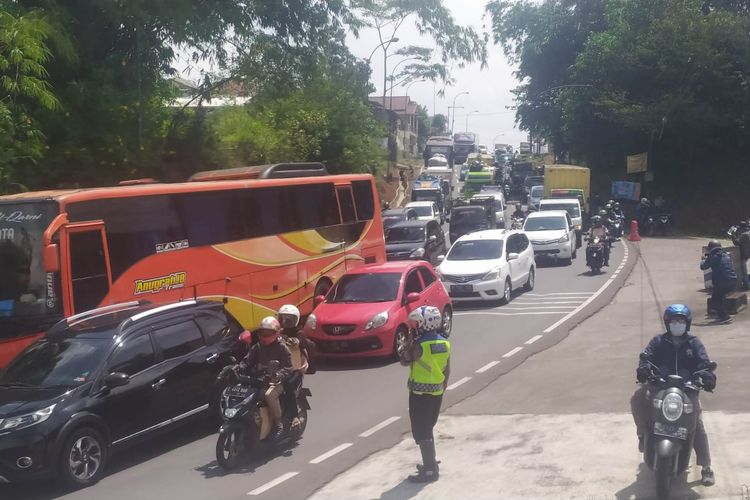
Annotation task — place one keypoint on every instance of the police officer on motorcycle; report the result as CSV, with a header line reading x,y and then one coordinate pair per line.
x,y
676,352
428,356
599,231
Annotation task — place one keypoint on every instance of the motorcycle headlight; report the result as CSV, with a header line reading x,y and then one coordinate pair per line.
x,y
419,252
672,407
312,321
23,421
492,275
377,321
564,238
230,412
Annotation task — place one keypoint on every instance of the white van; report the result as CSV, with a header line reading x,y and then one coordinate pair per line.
x,y
570,205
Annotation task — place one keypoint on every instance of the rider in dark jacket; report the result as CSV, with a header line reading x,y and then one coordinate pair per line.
x,y
723,277
676,352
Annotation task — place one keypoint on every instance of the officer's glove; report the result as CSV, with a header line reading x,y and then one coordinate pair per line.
x,y
644,374
708,381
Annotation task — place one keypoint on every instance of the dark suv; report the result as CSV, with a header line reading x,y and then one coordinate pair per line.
x,y
103,378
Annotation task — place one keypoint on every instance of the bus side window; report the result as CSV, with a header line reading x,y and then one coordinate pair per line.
x,y
346,203
88,269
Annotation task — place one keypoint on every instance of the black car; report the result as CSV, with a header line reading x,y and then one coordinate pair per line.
x,y
394,215
105,378
468,219
416,240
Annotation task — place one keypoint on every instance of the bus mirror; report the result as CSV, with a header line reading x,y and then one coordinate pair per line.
x,y
51,258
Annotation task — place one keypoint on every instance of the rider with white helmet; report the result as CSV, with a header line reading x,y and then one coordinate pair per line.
x,y
300,348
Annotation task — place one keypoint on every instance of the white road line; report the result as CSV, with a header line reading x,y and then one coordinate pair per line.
x,y
372,430
457,383
329,454
512,352
533,339
262,489
588,301
556,293
530,307
528,302
490,313
488,366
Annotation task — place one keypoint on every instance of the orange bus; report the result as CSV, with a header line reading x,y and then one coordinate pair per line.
x,y
255,237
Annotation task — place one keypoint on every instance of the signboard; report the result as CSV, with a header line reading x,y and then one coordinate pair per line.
x,y
637,163
624,190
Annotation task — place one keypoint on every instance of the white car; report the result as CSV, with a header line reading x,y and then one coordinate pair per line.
x,y
488,265
570,205
535,196
552,235
426,210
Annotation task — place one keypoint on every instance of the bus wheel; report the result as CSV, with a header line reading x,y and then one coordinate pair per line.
x,y
324,284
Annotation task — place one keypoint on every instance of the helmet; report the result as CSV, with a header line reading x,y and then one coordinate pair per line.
x,y
288,316
603,212
714,244
616,205
676,311
608,206
644,201
269,330
426,319
596,221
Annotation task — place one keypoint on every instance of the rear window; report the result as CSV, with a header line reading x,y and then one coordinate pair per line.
x,y
571,208
471,216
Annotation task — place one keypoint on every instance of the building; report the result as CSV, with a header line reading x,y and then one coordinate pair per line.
x,y
228,94
405,128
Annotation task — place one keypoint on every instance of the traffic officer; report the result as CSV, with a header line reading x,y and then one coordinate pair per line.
x,y
428,355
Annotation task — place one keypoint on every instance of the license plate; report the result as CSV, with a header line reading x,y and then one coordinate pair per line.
x,y
668,430
462,288
237,391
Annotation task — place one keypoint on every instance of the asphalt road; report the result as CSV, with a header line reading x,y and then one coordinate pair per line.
x,y
357,407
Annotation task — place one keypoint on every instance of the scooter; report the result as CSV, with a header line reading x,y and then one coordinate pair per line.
x,y
517,222
595,254
663,224
668,444
247,421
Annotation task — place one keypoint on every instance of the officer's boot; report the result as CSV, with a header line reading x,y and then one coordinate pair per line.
x,y
428,471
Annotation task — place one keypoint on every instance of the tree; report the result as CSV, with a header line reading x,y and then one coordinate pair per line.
x,y
439,124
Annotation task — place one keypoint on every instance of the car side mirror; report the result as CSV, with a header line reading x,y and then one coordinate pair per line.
x,y
51,258
413,297
319,299
512,256
440,258
116,379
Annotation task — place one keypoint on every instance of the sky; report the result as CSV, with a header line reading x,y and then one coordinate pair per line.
x,y
489,88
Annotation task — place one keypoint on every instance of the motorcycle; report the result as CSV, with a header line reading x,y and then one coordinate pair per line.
x,y
616,227
660,224
247,421
517,222
595,254
669,443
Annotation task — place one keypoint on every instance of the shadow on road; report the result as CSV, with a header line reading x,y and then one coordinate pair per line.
x,y
335,365
250,464
644,487
403,490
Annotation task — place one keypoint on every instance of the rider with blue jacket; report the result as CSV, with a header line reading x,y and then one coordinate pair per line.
x,y
723,277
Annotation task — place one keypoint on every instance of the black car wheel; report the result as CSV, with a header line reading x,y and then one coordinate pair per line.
x,y
83,458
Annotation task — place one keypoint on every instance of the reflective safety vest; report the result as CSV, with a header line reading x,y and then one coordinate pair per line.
x,y
427,375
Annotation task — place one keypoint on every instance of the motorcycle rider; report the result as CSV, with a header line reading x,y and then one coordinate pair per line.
x,y
598,230
518,212
428,356
617,211
270,347
643,211
723,277
299,346
743,241
676,352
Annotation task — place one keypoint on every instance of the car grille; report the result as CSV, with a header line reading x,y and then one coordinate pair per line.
x,y
339,329
466,278
545,242
398,255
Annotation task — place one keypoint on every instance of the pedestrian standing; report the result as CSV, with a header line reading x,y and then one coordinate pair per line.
x,y
743,241
723,277
428,356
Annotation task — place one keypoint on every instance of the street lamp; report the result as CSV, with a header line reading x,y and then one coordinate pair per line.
x,y
393,72
454,108
467,118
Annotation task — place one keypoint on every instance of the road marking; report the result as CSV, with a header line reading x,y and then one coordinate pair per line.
x,y
533,339
488,366
529,307
512,352
556,293
329,454
262,489
532,302
372,430
457,383
588,301
490,313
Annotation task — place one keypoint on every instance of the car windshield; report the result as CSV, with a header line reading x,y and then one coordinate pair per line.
x,y
475,216
425,211
366,287
476,250
553,223
404,234
62,362
572,210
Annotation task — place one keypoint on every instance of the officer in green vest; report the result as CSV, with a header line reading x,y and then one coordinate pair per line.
x,y
428,356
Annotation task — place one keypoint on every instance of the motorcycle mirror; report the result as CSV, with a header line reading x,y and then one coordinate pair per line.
x,y
712,366
246,337
643,357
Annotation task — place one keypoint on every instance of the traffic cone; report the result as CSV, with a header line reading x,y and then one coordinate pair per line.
x,y
634,236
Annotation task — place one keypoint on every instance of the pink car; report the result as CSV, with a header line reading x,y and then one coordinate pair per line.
x,y
364,313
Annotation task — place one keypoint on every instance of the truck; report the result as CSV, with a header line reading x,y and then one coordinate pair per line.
x,y
464,143
439,144
503,148
524,148
431,188
481,172
568,181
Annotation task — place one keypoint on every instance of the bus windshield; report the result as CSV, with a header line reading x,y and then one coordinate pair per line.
x,y
28,297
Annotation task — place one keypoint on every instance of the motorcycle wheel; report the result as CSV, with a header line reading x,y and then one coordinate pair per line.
x,y
296,434
595,270
230,448
663,469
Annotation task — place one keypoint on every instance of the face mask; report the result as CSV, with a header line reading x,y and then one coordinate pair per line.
x,y
677,328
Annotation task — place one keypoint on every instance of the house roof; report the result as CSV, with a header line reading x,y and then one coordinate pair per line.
x,y
398,103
